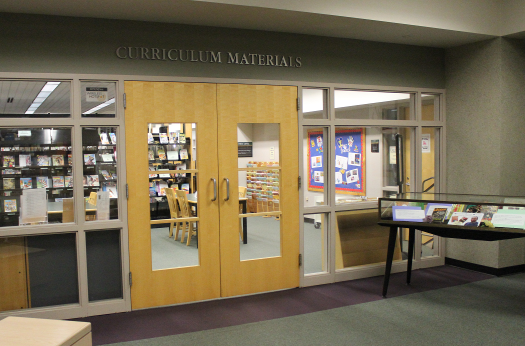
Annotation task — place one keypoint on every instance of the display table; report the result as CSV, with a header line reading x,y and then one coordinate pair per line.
x,y
449,216
23,331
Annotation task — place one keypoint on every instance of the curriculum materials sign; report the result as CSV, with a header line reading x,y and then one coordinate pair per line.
x,y
349,161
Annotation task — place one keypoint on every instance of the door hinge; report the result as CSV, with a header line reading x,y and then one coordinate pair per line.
x,y
124,99
298,104
299,181
300,259
127,191
130,281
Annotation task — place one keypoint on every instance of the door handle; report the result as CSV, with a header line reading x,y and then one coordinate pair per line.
x,y
227,189
214,189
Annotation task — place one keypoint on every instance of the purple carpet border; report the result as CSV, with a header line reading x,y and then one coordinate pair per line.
x,y
156,322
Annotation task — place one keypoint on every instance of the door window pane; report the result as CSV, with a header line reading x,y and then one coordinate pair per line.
x,y
36,172
356,104
100,180
314,165
173,195
315,230
38,271
35,99
430,138
98,99
314,104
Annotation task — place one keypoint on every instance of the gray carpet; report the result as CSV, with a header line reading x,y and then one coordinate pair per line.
x,y
488,312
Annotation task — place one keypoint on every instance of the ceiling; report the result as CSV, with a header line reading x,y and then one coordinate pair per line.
x,y
223,14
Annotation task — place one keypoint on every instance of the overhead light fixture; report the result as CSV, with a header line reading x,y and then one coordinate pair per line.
x,y
42,96
100,106
10,99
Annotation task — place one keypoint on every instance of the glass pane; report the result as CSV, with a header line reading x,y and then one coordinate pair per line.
x,y
360,240
430,107
314,104
315,243
98,99
314,165
355,104
259,190
99,145
104,264
430,161
173,195
36,171
366,165
35,99
38,271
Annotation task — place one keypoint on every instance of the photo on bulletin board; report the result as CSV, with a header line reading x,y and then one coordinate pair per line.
x,y
349,161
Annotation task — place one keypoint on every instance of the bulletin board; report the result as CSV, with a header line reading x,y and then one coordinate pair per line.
x,y
349,161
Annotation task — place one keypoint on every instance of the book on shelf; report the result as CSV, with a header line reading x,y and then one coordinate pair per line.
x,y
105,174
161,188
163,175
42,182
104,138
161,153
10,206
151,155
182,138
9,183
90,159
92,180
68,181
113,137
8,161
69,160
58,160
58,181
111,188
26,183
42,160
152,169
11,171
107,157
150,138
25,160
173,155
185,187
173,137
163,138
153,188
184,154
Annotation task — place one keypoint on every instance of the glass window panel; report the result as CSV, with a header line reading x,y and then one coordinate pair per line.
x,y
430,107
356,104
173,196
314,104
98,99
263,238
104,264
315,230
100,180
35,99
430,161
38,271
314,165
360,240
36,170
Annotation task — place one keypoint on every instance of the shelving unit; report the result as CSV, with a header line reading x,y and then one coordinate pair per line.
x,y
262,187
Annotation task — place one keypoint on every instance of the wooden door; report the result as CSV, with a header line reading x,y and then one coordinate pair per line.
x,y
166,103
274,106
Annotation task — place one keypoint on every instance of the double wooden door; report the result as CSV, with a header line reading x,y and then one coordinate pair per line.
x,y
205,122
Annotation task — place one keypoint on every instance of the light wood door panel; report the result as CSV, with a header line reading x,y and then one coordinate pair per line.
x,y
159,102
239,103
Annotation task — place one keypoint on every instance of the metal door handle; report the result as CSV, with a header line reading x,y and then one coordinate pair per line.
x,y
227,189
214,189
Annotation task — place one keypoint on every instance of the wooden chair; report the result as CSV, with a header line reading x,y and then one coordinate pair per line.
x,y
185,212
242,194
174,212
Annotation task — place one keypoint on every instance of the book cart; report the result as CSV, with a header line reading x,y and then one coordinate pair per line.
x,y
475,217
262,187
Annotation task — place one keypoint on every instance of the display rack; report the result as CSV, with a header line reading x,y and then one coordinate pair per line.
x,y
262,187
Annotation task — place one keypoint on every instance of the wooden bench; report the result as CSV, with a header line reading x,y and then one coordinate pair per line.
x,y
23,331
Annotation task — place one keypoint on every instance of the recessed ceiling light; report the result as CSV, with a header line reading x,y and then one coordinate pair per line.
x,y
42,96
100,106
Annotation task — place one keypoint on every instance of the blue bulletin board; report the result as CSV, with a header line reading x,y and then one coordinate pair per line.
x,y
349,161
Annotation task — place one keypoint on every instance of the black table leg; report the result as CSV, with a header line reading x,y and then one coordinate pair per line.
x,y
389,258
411,236
244,222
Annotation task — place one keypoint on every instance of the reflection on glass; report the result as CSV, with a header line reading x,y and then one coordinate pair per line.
x,y
430,107
173,196
35,99
263,238
315,243
98,99
38,271
100,180
314,160
353,104
259,190
360,240
314,104
36,170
